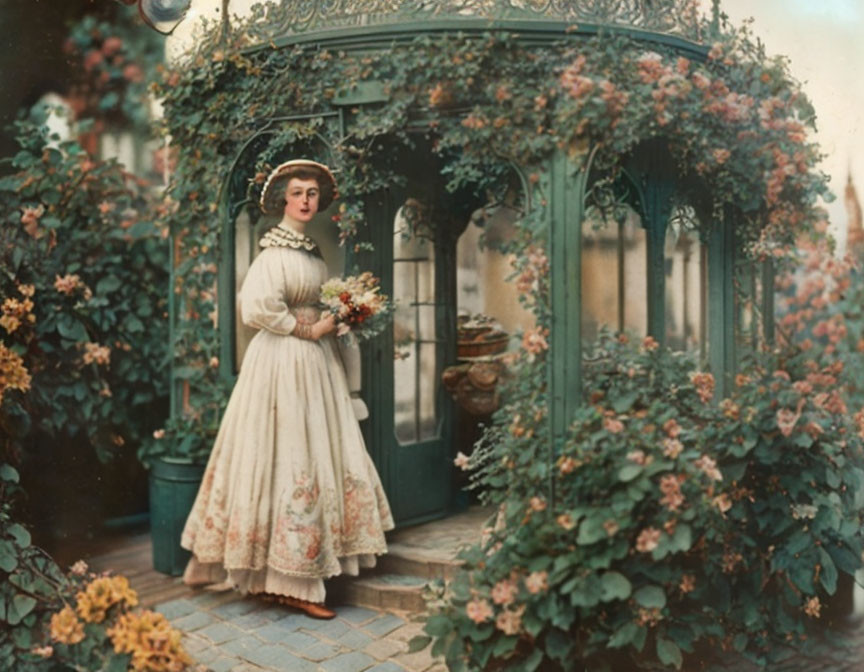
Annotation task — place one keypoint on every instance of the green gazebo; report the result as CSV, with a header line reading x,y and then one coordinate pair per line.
x,y
391,142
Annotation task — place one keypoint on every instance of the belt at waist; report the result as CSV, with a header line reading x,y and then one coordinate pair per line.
x,y
306,314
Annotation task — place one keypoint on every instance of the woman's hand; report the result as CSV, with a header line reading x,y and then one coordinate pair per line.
x,y
324,326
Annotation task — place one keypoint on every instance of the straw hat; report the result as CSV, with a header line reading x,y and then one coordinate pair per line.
x,y
285,169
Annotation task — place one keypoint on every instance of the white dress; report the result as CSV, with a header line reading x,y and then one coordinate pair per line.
x,y
290,496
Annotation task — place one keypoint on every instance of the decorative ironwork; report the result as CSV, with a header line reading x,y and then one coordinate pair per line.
x,y
288,17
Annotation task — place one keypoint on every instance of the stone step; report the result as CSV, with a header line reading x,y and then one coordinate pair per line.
x,y
402,559
379,591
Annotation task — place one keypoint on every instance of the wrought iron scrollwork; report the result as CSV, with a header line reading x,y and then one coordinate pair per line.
x,y
287,17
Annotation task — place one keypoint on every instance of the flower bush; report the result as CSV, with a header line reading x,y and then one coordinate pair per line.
x,y
678,527
76,619
83,322
115,62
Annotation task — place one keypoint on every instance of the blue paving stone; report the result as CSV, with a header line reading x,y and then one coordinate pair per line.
x,y
348,662
250,621
308,623
332,629
383,625
292,622
356,640
193,621
273,613
274,633
194,644
234,609
207,655
223,664
386,667
279,658
356,615
176,608
299,641
320,651
243,646
221,632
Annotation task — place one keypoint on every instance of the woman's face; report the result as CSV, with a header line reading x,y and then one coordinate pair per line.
x,y
301,199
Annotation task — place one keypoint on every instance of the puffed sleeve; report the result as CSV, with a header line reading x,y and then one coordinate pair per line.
x,y
262,297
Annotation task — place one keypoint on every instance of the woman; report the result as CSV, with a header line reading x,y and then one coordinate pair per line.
x,y
290,495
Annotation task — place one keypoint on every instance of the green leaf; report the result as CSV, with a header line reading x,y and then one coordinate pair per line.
x,y
828,575
108,284
71,328
623,636
418,643
9,474
587,592
133,325
669,653
438,626
624,402
533,661
629,471
650,597
21,535
118,662
680,541
23,636
616,586
591,530
20,606
504,646
559,644
8,556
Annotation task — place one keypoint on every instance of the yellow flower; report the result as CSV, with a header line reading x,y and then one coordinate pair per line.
x,y
65,627
10,323
103,593
13,373
813,607
154,644
123,592
95,353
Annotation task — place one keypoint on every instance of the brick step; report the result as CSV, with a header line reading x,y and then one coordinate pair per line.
x,y
379,591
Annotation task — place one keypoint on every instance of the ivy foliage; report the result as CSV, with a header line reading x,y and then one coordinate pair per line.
x,y
732,121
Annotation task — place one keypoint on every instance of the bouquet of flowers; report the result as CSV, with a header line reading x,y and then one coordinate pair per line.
x,y
358,305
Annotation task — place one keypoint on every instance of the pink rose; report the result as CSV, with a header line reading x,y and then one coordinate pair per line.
x,y
648,540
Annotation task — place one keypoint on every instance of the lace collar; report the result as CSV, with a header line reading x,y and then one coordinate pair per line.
x,y
283,235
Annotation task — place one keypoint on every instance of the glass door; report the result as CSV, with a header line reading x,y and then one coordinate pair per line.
x,y
409,431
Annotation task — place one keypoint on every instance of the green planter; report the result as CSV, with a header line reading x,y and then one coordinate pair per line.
x,y
174,482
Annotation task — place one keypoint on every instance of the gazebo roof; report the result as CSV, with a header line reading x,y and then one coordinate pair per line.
x,y
292,18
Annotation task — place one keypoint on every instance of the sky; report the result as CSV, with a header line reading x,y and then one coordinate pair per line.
x,y
824,41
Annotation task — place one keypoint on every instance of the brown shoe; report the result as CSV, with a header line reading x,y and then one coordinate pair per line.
x,y
312,609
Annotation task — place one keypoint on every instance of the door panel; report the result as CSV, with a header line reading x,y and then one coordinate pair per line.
x,y
409,431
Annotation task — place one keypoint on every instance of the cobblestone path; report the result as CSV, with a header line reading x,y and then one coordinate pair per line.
x,y
228,633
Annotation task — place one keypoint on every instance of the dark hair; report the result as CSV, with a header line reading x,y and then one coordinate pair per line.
x,y
274,198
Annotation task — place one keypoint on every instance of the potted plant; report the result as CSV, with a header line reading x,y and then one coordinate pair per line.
x,y
176,457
